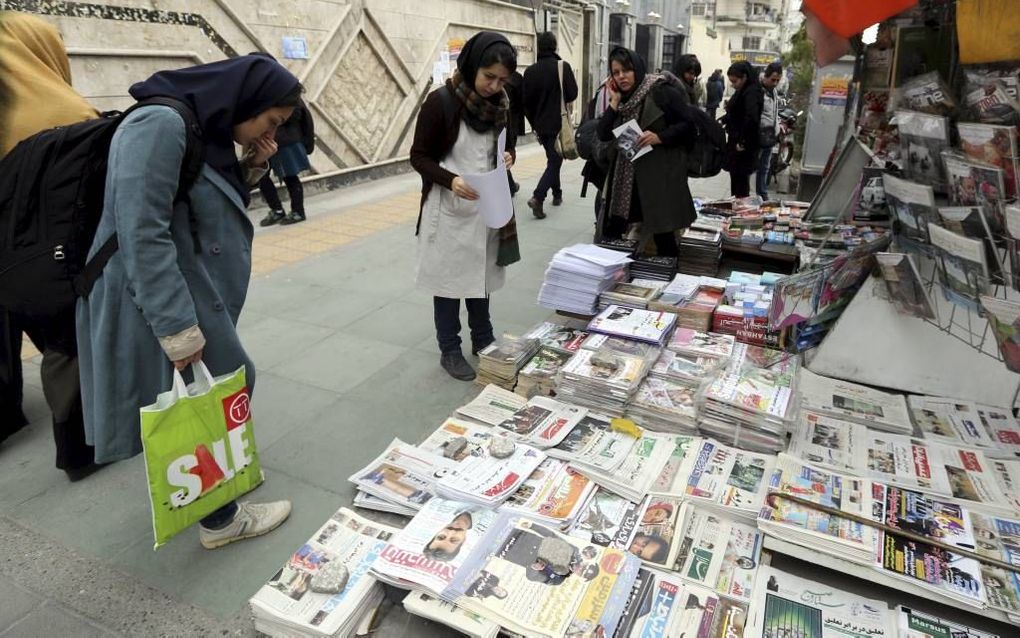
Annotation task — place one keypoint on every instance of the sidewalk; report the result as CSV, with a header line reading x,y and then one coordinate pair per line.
x,y
346,357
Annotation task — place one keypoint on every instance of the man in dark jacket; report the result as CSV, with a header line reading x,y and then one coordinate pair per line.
x,y
542,108
715,87
515,92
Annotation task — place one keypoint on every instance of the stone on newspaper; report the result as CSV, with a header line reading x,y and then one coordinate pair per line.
x,y
502,447
454,447
330,578
557,554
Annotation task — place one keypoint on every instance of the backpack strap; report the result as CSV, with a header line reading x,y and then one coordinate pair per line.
x,y
191,167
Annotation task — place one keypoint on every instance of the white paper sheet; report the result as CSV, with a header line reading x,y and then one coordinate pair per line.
x,y
627,135
494,200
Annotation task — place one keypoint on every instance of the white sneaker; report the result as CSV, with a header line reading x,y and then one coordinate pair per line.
x,y
251,520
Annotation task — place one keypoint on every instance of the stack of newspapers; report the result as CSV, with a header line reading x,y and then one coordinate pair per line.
x,y
604,379
854,402
287,605
578,274
634,477
499,362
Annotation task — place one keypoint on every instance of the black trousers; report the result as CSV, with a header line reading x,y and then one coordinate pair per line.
x,y
665,243
740,184
294,188
550,179
56,339
447,317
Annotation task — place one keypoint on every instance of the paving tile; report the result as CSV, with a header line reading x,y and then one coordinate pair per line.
x,y
339,362
275,340
398,322
17,603
52,621
281,405
269,294
336,309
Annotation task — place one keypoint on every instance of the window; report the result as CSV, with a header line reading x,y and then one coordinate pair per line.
x,y
752,42
699,9
617,30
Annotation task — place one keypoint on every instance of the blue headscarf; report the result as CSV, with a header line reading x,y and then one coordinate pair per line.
x,y
223,94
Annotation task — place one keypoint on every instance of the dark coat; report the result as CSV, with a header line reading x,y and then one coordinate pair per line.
x,y
662,200
743,120
298,128
542,93
435,133
714,89
515,91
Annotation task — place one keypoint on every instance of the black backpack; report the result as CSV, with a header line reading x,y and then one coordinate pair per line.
x,y
705,157
52,187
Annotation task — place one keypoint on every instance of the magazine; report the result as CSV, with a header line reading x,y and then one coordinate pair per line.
x,y
1004,318
620,372
999,538
648,326
506,581
923,137
543,422
287,604
961,265
493,405
429,551
785,605
657,532
424,605
594,443
608,520
869,202
916,624
627,135
830,443
813,528
664,405
973,183
795,298
537,377
554,493
557,336
903,283
727,478
403,474
971,222
688,369
854,402
633,478
992,144
913,205
703,344
716,551
758,383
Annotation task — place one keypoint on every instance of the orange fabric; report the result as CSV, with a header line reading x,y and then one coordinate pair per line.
x,y
988,30
829,47
847,18
35,80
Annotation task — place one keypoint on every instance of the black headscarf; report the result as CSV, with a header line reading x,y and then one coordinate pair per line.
x,y
470,58
223,94
746,69
635,61
481,114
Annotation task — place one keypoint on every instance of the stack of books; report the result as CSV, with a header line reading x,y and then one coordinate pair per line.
x,y
628,295
622,245
696,313
654,267
700,252
578,274
500,362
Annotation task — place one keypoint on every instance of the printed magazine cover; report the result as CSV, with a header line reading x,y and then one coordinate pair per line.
x,y
903,283
923,137
975,184
961,266
642,325
704,344
992,144
795,298
1004,318
911,204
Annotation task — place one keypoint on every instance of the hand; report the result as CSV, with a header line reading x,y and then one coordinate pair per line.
x,y
648,139
614,93
508,160
180,364
462,190
263,149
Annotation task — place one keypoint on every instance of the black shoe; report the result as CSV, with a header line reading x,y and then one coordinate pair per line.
x,y
557,199
476,349
293,218
536,208
76,474
457,366
516,187
273,217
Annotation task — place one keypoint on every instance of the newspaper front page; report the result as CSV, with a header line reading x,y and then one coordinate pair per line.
x,y
999,538
721,476
857,403
422,604
493,405
634,477
554,493
403,474
543,422
717,552
830,443
608,520
594,443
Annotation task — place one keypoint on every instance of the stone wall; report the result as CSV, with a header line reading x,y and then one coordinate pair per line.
x,y
369,62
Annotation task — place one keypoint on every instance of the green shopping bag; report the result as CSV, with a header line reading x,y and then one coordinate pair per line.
x,y
199,449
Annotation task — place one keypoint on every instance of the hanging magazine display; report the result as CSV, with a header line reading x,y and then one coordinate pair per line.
x,y
923,137
1004,318
961,266
903,283
913,206
975,184
994,145
972,222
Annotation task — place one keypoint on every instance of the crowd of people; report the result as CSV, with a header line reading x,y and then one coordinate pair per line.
x,y
171,294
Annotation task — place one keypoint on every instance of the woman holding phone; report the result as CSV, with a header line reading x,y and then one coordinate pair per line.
x,y
651,189
458,255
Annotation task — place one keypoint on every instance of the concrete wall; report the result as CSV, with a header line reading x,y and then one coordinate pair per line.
x,y
369,62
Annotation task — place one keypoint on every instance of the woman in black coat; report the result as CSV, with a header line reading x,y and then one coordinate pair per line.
x,y
743,115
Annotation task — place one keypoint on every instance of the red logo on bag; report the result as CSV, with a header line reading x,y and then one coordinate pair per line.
x,y
237,409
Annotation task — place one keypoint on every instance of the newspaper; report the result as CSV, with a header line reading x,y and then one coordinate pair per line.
x,y
815,529
641,325
908,462
554,493
403,474
999,538
506,581
287,600
422,604
949,421
493,405
916,624
656,535
643,465
369,502
670,480
594,443
607,520
853,402
429,551
557,336
668,607
1002,428
830,443
785,605
543,422
723,477
716,551
941,571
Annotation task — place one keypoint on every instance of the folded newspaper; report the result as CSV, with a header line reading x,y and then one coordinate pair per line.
x,y
403,474
956,422
554,493
493,405
854,402
595,444
437,610
664,606
608,520
633,478
716,551
287,606
543,422
727,479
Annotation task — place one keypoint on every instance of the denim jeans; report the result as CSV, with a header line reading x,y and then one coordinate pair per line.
x,y
762,180
447,317
551,177
221,517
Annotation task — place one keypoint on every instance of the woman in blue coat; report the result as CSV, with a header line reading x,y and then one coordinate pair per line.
x,y
173,292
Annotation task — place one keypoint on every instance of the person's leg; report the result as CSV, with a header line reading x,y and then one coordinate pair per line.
x,y
740,183
221,517
665,244
514,186
238,521
547,181
297,200
556,165
480,323
446,312
12,418
272,199
762,178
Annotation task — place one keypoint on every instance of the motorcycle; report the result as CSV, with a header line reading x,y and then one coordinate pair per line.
x,y
783,155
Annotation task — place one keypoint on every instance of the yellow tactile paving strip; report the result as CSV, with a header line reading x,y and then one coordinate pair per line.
x,y
320,234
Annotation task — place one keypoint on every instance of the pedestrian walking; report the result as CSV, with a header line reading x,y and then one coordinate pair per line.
x,y
542,106
742,121
714,89
687,69
36,94
459,257
173,292
653,188
515,92
769,126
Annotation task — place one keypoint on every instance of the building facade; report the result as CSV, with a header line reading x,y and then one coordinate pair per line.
x,y
728,31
